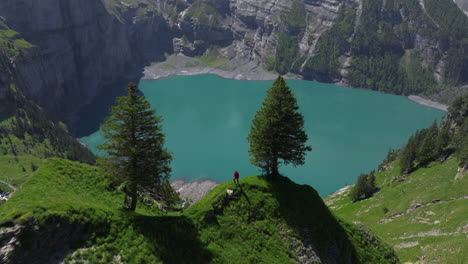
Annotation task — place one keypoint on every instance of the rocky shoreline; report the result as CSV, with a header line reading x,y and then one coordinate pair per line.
x,y
177,65
428,103
181,65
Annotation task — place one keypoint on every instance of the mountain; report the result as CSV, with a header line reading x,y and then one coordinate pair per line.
x,y
78,50
423,214
66,211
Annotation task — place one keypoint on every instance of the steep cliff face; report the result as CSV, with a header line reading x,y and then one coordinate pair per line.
x,y
82,46
79,47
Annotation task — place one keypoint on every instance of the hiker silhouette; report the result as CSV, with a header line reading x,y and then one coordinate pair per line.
x,y
236,177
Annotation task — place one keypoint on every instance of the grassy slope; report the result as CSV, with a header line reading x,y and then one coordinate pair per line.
x,y
15,170
436,232
65,200
250,224
70,198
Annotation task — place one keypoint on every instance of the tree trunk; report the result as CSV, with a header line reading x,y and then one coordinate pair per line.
x,y
134,196
274,168
126,201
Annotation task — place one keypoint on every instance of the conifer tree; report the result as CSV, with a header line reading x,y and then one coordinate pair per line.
x,y
427,150
365,187
135,146
277,131
408,155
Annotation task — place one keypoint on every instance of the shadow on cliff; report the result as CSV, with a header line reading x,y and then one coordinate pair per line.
x,y
303,210
93,114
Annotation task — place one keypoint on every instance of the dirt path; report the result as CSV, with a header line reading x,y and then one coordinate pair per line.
x,y
9,185
414,207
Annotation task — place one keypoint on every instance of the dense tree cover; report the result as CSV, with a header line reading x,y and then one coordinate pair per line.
x,y
287,57
331,45
135,146
382,50
458,111
277,131
25,129
458,114
287,51
365,187
425,146
204,13
453,32
295,17
429,144
376,51
462,141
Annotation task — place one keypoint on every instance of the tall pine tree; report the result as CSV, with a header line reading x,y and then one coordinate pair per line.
x,y
135,145
277,131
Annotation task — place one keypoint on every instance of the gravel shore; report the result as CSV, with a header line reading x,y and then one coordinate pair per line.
x,y
428,103
183,65
238,70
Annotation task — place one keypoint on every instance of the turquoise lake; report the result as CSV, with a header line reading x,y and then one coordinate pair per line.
x,y
207,120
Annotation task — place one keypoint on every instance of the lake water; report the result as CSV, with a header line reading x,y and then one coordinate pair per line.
x,y
207,120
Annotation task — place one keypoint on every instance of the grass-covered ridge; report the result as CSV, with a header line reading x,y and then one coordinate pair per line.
x,y
263,221
424,215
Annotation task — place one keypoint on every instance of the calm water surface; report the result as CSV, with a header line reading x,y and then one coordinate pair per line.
x,y
207,120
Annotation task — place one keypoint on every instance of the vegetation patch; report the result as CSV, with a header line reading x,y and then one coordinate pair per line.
x,y
213,59
204,13
331,45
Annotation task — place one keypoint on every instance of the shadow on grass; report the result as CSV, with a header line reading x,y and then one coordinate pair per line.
x,y
176,238
303,210
243,193
173,239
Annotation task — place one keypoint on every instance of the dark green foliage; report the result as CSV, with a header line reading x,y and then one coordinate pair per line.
x,y
461,143
331,45
204,13
420,150
277,131
27,130
456,126
419,77
135,145
295,18
376,51
365,187
462,150
287,51
287,57
454,33
385,32
459,110
427,150
435,142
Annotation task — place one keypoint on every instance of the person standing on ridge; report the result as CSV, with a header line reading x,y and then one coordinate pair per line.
x,y
236,177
